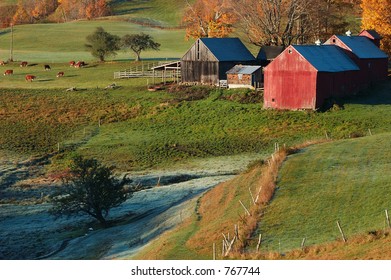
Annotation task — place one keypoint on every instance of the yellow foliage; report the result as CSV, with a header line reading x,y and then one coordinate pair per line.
x,y
377,15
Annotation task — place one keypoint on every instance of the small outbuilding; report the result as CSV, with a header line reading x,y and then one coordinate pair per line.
x,y
244,76
303,77
372,61
208,60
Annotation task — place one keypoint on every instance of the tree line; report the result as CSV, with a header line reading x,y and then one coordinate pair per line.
x,y
285,22
33,11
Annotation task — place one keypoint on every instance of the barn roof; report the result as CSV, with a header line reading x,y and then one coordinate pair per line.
x,y
228,49
326,58
269,52
243,69
371,32
362,47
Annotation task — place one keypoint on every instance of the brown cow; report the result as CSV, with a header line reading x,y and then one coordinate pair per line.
x,y
72,63
79,64
23,64
2,62
60,74
30,78
8,72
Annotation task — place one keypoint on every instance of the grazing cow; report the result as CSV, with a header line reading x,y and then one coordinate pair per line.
x,y
30,78
60,74
2,62
72,63
47,67
8,72
23,64
79,64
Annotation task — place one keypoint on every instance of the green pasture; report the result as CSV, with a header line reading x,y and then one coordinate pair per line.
x,y
163,13
346,181
61,42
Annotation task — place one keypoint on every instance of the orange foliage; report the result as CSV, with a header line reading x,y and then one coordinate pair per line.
x,y
377,15
208,19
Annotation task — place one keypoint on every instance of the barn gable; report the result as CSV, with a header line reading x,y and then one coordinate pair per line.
x,y
372,35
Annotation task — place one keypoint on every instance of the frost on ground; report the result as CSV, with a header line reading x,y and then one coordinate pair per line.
x,y
27,231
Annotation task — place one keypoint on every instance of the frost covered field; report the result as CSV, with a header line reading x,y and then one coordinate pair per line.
x,y
27,230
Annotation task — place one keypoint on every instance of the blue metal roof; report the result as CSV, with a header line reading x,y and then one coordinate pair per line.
x,y
362,47
327,58
228,49
243,69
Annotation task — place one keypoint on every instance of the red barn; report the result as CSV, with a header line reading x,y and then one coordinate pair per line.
x,y
303,77
372,61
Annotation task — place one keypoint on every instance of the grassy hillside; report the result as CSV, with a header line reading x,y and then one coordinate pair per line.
x,y
345,180
63,42
159,13
348,181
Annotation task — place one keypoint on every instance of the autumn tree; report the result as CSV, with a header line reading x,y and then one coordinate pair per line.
x,y
7,13
208,18
138,43
90,188
76,9
376,14
102,44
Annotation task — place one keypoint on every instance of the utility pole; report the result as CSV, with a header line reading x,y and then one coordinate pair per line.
x,y
12,44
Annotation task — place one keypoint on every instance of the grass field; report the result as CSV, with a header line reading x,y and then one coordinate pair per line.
x,y
160,13
346,181
141,129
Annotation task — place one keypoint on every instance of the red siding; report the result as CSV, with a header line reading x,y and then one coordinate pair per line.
x,y
290,82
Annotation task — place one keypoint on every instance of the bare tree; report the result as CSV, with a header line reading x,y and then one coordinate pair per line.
x,y
270,22
283,22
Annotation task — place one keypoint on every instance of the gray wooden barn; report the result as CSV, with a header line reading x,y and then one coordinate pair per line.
x,y
208,60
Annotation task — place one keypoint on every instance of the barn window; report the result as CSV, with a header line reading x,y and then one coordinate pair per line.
x,y
240,76
333,40
289,51
273,100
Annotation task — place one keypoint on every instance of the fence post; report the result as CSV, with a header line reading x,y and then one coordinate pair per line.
x,y
259,242
341,231
248,213
214,251
388,219
303,243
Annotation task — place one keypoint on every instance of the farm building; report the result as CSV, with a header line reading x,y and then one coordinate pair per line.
x,y
267,54
303,77
208,60
372,35
244,76
372,61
